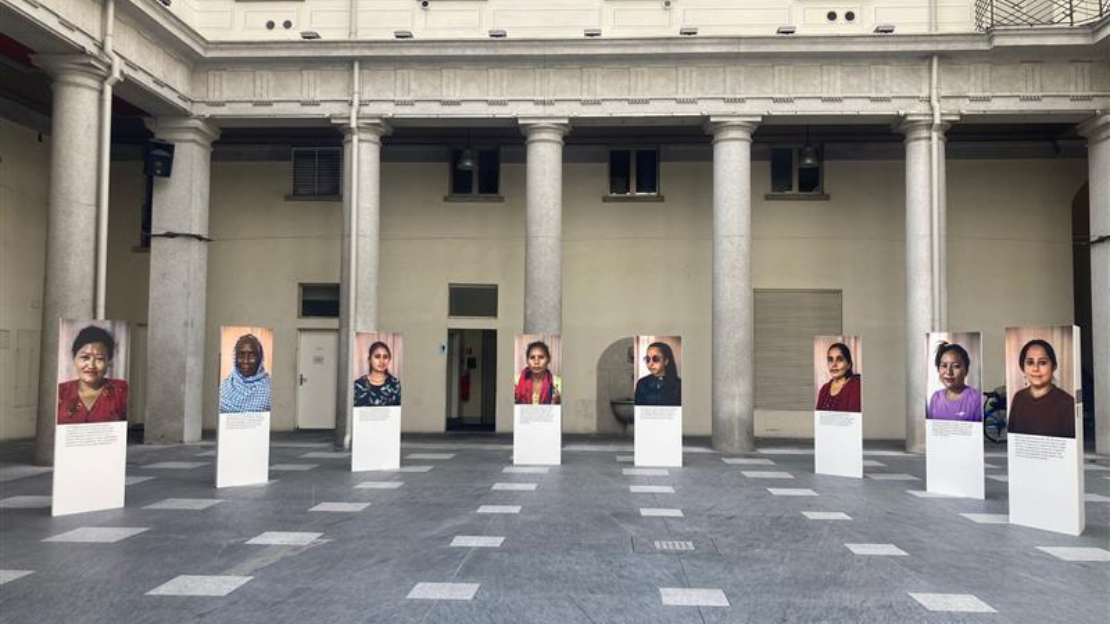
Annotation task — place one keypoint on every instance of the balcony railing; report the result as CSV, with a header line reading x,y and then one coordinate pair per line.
x,y
994,13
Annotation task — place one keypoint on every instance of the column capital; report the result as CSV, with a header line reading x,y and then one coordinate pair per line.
x,y
1096,129
79,70
732,127
544,128
917,126
368,128
183,130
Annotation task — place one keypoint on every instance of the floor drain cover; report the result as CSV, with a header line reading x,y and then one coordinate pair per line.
x,y
674,545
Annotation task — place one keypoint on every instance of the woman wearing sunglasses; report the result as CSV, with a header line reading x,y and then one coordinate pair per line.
x,y
662,386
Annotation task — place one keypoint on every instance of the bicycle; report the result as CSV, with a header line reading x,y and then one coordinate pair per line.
x,y
994,415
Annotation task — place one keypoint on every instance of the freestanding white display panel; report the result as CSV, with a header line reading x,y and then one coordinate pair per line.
x,y
658,436
954,458
376,438
537,435
1046,482
90,463
243,449
838,443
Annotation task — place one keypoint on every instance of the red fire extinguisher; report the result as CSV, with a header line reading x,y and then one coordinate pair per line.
x,y
464,387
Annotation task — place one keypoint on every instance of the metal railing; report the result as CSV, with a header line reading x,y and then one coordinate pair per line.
x,y
994,13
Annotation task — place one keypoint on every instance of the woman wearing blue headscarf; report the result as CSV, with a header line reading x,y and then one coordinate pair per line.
x,y
247,388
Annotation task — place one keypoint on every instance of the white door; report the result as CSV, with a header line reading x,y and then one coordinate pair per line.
x,y
317,371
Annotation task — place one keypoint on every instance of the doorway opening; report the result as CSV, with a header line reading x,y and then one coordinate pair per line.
x,y
471,380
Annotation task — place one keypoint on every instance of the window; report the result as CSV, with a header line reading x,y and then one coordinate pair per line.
x,y
319,300
634,172
786,321
791,177
472,300
482,178
317,173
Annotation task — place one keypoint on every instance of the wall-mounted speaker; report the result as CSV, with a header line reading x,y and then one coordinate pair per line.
x,y
158,158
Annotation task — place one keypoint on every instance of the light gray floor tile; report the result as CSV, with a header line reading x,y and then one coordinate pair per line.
x,y
873,463
879,550
429,456
206,454
443,591
689,597
675,545
174,465
660,512
292,467
526,469
499,509
104,535
514,487
892,476
7,576
650,489
999,478
284,538
766,474
928,494
826,515
986,518
341,507
1097,467
135,480
326,455
785,451
188,585
477,541
379,485
645,472
792,491
879,453
1077,553
989,466
184,504
626,459
25,502
411,469
748,461
1096,498
958,603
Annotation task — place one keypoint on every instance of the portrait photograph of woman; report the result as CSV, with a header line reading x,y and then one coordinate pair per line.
x,y
954,374
538,364
244,369
378,365
659,380
838,369
1041,381
92,372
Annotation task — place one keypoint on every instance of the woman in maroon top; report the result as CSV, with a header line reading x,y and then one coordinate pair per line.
x,y
92,397
1041,408
842,392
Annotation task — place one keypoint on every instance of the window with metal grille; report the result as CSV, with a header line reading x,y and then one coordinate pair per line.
x,y
634,171
319,300
786,322
317,172
472,300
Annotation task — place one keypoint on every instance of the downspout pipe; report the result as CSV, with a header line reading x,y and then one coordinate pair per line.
x,y
107,45
936,207
352,243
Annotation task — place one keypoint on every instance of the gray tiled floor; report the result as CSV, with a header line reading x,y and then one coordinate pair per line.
x,y
577,552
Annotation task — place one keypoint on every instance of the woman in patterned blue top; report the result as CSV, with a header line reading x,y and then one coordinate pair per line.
x,y
247,387
378,388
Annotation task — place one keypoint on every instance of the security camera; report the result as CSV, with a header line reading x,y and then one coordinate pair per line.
x,y
424,4
166,3
667,3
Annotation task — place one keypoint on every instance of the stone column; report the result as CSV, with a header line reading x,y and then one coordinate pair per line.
x,y
543,248
1097,131
733,360
70,286
361,213
178,284
921,281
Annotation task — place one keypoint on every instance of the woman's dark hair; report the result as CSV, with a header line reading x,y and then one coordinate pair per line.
x,y
251,338
672,369
946,347
378,345
847,353
92,334
539,344
1049,351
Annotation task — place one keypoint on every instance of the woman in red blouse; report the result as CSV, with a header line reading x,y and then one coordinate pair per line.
x,y
92,397
843,391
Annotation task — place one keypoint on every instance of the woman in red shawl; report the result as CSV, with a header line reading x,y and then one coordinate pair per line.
x,y
536,384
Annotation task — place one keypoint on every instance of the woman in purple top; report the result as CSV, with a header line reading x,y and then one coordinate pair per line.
x,y
957,400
